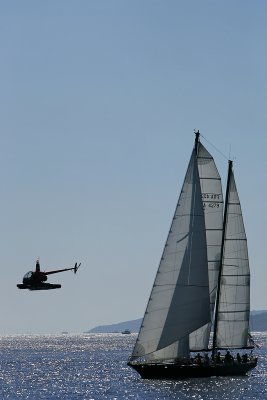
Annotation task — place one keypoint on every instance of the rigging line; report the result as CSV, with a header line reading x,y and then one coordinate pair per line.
x,y
227,158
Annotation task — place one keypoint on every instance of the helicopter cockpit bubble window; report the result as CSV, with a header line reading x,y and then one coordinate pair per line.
x,y
28,275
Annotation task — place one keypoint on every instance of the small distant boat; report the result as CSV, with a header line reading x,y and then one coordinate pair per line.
x,y
126,332
203,279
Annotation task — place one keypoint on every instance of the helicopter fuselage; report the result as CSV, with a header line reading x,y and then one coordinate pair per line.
x,y
36,280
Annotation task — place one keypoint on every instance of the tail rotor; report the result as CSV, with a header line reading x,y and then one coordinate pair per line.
x,y
76,267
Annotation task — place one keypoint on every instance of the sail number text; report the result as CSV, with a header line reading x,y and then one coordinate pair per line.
x,y
211,200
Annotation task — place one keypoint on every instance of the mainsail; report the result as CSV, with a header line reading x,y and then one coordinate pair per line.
x,y
234,294
212,197
179,303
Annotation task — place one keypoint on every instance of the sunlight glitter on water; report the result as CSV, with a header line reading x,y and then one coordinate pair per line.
x,y
95,367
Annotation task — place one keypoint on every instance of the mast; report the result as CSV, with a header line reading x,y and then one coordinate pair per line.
x,y
197,133
230,165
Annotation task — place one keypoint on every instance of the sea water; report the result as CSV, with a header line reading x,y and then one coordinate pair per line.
x,y
94,366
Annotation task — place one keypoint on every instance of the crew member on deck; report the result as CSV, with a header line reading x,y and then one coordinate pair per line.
x,y
228,357
218,358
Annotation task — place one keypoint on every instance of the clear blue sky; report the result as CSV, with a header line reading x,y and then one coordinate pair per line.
x,y
99,101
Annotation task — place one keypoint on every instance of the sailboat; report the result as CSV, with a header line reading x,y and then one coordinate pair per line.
x,y
200,300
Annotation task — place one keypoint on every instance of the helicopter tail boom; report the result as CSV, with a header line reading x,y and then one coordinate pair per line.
x,y
75,269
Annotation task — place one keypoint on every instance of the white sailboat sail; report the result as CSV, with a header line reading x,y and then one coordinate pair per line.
x,y
212,196
179,303
234,298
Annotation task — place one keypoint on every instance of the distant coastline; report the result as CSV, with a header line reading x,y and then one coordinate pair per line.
x,y
258,324
132,325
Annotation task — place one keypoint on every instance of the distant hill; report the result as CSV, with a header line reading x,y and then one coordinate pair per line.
x,y
132,326
258,324
258,321
255,312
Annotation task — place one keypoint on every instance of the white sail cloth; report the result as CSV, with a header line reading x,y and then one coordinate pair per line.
x,y
234,300
179,303
212,197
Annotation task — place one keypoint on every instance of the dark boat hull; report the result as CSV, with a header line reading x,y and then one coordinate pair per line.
x,y
177,371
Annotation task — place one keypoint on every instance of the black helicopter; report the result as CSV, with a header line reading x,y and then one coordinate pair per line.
x,y
36,280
